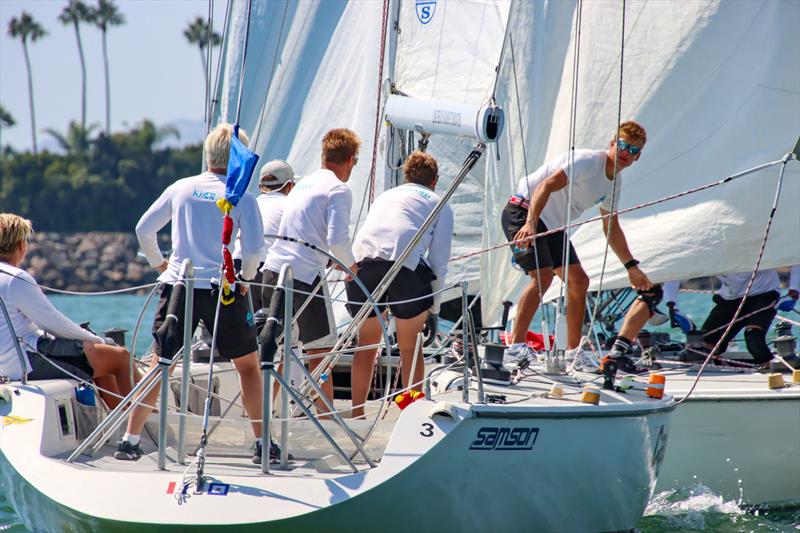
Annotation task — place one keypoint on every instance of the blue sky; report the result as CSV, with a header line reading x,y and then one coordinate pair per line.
x,y
155,73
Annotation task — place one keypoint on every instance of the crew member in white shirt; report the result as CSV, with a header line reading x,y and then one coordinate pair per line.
x,y
190,205
50,341
276,181
392,223
540,204
317,211
764,293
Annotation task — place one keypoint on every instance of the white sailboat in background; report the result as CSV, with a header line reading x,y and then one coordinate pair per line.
x,y
717,85
319,65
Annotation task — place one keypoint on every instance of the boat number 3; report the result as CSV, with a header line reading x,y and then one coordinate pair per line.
x,y
427,430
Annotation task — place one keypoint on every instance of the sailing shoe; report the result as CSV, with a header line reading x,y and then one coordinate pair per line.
x,y
625,364
127,451
274,453
583,360
519,356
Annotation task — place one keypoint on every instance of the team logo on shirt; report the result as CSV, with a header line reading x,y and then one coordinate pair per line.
x,y
425,10
204,195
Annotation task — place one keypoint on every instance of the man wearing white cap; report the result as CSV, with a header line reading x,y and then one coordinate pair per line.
x,y
276,181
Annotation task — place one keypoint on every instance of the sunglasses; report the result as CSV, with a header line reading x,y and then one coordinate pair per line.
x,y
355,160
631,148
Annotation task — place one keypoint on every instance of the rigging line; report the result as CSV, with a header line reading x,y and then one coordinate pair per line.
x,y
626,210
525,167
506,38
376,133
214,101
257,126
209,46
244,59
614,182
735,316
573,112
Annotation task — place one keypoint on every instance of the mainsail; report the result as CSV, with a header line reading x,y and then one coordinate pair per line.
x,y
716,84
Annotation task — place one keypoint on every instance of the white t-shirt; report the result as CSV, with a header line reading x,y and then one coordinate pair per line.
x,y
190,204
31,315
734,285
317,211
270,205
395,218
590,186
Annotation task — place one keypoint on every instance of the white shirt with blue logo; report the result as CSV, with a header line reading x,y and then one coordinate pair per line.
x,y
317,211
590,186
394,219
190,204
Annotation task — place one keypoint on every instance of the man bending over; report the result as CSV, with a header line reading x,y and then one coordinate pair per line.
x,y
540,204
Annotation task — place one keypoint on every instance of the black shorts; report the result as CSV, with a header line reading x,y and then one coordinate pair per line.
x,y
548,248
408,285
66,354
237,329
723,312
315,324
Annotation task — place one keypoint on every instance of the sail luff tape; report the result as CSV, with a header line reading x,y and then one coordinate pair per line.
x,y
655,389
775,381
795,376
591,395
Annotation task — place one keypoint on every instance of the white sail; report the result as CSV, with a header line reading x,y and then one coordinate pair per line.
x,y
452,56
323,75
716,85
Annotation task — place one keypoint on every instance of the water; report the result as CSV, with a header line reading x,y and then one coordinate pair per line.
x,y
690,509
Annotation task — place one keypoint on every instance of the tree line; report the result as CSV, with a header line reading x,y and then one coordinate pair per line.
x,y
104,184
104,15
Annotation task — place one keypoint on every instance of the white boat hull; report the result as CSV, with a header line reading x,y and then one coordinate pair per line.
x,y
492,468
737,437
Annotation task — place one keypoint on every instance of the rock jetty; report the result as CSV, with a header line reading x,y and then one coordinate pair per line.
x,y
89,262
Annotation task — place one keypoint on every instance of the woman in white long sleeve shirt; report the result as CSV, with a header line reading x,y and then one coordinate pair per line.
x,y
50,341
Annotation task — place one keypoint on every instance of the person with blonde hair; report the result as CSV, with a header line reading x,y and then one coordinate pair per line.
x,y
541,203
197,223
54,347
392,222
317,211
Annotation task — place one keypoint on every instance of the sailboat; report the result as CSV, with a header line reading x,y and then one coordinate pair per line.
x,y
471,455
717,85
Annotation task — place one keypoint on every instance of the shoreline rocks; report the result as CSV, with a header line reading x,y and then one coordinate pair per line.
x,y
89,262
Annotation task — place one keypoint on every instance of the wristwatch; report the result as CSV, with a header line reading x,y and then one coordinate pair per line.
x,y
630,264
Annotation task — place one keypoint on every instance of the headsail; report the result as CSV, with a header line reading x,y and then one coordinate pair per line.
x,y
717,85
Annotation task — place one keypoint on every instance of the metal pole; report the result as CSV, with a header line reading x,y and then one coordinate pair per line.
x,y
22,361
187,361
166,363
267,371
118,412
465,339
476,360
288,284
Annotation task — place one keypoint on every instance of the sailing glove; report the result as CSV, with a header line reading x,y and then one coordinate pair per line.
x,y
787,303
678,320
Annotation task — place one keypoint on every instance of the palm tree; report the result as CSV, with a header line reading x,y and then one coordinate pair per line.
x,y
76,140
104,15
6,121
74,13
25,27
198,32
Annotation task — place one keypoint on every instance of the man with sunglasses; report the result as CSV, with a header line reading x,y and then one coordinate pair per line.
x,y
540,205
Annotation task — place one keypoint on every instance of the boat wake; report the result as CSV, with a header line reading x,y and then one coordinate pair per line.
x,y
698,508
